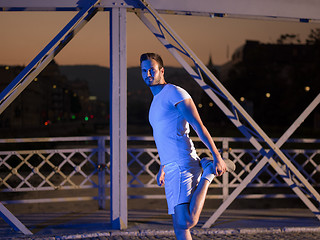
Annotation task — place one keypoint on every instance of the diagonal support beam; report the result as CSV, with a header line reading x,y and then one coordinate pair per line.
x,y
27,75
249,128
263,162
13,221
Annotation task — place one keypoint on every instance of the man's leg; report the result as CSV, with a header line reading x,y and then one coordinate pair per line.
x,y
187,215
181,232
198,198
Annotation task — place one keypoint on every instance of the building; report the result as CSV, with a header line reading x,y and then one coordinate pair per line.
x,y
49,104
275,82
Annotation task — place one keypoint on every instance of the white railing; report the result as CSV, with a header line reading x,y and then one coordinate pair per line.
x,y
77,164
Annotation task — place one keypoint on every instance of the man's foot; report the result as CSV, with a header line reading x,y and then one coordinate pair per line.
x,y
209,171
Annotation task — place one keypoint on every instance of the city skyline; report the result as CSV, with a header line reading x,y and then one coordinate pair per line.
x,y
25,34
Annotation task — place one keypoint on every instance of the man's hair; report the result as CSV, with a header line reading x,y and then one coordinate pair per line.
x,y
154,56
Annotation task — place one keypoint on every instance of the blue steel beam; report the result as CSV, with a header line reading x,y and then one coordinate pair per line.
x,y
13,221
46,55
273,9
306,10
248,127
263,162
33,69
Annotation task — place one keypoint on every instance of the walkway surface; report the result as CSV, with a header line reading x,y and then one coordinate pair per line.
x,y
156,224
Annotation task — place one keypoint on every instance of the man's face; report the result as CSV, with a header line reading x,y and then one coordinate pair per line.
x,y
151,73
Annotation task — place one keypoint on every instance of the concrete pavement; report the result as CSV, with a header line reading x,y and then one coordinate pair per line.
x,y
156,224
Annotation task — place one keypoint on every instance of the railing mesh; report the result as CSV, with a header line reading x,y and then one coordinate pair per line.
x,y
72,163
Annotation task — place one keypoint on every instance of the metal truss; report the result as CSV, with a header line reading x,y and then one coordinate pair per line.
x,y
13,90
13,221
236,114
86,166
273,9
47,54
288,10
118,120
87,9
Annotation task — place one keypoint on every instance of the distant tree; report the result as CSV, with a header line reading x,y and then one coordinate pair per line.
x,y
314,37
288,39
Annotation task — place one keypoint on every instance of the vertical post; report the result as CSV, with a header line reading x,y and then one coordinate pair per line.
x,y
101,173
118,131
225,176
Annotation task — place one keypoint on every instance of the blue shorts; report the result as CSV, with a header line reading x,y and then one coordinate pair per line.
x,y
181,182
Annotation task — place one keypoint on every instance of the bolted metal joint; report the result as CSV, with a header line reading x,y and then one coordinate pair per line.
x,y
101,167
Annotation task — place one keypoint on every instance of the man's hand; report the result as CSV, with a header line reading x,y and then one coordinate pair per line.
x,y
220,166
160,176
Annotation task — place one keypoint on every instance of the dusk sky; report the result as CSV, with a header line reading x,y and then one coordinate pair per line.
x,y
25,34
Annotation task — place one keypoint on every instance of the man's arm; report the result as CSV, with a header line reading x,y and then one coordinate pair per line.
x,y
188,109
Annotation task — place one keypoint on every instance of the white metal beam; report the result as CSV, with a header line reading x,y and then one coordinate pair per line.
x,y
118,125
32,70
246,125
13,221
284,9
27,75
263,162
307,10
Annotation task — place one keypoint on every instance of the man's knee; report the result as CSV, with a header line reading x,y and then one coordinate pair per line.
x,y
185,224
183,219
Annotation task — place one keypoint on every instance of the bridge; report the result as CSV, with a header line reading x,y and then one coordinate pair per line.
x,y
149,13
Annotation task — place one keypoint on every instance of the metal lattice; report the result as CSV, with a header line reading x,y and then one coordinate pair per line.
x,y
48,169
79,168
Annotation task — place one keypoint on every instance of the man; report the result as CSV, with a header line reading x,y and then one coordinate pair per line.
x,y
171,112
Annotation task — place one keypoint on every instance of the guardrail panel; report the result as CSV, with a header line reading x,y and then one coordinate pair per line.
x,y
78,166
